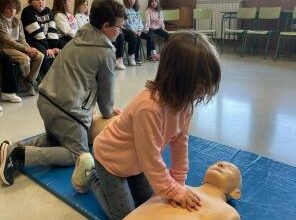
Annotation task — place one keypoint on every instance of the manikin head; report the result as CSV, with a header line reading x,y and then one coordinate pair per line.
x,y
225,176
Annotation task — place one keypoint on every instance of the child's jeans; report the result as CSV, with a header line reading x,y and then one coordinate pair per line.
x,y
118,196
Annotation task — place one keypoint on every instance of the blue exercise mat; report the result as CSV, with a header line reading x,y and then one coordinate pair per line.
x,y
268,190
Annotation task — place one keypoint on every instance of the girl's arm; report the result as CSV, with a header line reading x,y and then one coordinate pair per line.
x,y
179,153
147,124
147,20
162,21
63,25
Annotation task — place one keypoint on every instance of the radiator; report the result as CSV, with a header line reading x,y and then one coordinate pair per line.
x,y
218,7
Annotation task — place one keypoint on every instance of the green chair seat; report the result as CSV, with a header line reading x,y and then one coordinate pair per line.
x,y
288,33
258,32
172,32
206,31
233,31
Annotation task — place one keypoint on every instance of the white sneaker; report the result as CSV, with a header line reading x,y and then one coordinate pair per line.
x,y
120,65
1,109
84,163
131,60
10,97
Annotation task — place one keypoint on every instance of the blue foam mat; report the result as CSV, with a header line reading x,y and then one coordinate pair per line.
x,y
268,190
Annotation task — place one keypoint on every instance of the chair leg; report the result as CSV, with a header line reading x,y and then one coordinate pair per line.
x,y
223,42
126,52
267,45
244,45
142,52
277,49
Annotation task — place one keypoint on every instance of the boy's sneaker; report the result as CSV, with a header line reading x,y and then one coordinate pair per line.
x,y
84,163
8,166
120,65
10,97
131,60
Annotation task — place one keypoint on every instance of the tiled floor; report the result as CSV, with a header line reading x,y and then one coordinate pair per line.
x,y
255,110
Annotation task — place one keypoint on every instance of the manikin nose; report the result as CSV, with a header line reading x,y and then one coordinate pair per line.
x,y
220,165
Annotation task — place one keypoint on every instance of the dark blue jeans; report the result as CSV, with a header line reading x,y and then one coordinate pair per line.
x,y
118,196
9,77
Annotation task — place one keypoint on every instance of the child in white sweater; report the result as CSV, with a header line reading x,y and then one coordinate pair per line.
x,y
65,21
81,12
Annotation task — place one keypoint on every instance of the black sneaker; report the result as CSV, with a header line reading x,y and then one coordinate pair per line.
x,y
8,166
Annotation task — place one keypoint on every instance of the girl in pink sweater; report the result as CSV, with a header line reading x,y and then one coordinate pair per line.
x,y
154,20
128,163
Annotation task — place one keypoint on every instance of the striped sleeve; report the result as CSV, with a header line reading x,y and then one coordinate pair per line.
x,y
52,29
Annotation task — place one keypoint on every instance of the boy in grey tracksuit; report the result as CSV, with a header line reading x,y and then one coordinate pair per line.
x,y
81,76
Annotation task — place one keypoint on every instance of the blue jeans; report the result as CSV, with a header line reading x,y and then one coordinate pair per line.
x,y
118,196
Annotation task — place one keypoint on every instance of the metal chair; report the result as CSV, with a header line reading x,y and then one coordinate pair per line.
x,y
265,14
204,15
243,14
288,34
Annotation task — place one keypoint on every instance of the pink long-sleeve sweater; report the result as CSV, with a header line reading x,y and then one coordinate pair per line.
x,y
133,143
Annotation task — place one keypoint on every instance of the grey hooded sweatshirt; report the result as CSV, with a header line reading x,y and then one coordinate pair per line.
x,y
82,74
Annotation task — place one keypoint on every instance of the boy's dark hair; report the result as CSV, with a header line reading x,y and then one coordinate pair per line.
x,y
158,8
189,72
58,7
136,6
77,3
10,3
105,11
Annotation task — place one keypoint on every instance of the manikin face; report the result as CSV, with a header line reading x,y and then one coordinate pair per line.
x,y
225,176
154,3
131,2
9,12
38,5
83,7
112,31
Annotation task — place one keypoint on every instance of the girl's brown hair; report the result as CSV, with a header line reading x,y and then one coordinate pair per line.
x,y
136,6
58,7
189,72
10,3
158,8
77,3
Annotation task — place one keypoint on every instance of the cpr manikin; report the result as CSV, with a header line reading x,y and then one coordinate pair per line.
x,y
221,181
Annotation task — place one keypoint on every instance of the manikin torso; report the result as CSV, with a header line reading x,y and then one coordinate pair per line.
x,y
213,208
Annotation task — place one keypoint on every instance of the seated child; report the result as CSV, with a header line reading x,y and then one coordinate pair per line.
x,y
81,12
40,31
13,44
133,32
65,21
154,20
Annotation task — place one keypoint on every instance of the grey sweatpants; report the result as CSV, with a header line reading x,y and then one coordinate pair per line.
x,y
64,140
118,196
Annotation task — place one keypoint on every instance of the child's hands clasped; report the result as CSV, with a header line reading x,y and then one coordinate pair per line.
x,y
190,201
